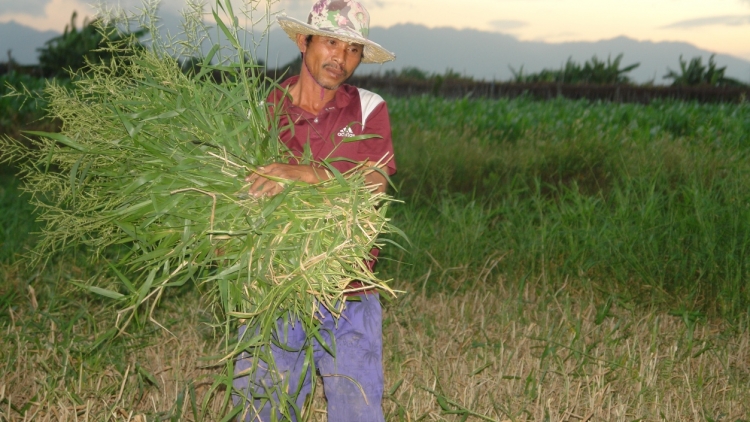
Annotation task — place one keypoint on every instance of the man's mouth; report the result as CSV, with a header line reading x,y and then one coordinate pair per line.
x,y
334,70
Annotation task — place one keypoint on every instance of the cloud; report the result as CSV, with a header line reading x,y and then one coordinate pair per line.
x,y
507,24
552,37
26,7
732,20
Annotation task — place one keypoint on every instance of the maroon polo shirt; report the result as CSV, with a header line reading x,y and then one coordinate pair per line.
x,y
352,112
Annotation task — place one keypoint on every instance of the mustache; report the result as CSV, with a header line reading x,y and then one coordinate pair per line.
x,y
335,67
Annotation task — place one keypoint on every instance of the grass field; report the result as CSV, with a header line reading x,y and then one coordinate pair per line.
x,y
568,261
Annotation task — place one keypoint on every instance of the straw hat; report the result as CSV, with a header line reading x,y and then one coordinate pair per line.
x,y
345,20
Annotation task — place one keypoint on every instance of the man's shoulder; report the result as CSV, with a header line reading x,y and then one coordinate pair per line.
x,y
366,96
368,100
363,94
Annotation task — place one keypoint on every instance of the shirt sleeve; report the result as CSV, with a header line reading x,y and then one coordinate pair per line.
x,y
378,149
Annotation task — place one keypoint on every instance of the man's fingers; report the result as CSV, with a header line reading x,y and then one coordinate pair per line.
x,y
261,183
255,174
262,186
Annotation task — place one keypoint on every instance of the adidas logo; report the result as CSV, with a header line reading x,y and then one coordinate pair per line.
x,y
346,132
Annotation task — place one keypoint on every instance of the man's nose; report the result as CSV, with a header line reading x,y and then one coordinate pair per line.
x,y
338,55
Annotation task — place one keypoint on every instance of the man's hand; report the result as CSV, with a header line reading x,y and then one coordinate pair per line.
x,y
265,186
260,185
374,177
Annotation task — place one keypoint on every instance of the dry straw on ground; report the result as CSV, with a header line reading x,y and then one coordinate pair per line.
x,y
556,356
491,353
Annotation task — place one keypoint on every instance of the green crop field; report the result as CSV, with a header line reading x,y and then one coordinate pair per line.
x,y
568,260
653,199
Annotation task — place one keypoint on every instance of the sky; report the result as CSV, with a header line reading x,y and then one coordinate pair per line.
x,y
720,26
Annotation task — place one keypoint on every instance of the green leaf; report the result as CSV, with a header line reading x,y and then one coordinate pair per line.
x,y
197,416
360,138
234,412
337,174
132,130
101,291
123,279
73,176
140,181
443,403
59,138
395,387
102,338
166,115
274,203
230,37
481,368
129,210
145,374
143,291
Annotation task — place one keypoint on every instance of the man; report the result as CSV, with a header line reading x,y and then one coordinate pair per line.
x,y
321,113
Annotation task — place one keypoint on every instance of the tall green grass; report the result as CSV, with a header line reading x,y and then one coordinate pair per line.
x,y
645,202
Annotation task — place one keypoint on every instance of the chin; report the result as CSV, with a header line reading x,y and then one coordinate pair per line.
x,y
332,85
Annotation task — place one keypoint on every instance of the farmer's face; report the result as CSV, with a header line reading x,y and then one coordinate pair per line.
x,y
330,61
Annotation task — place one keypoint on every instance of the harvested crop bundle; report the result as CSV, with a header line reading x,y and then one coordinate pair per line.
x,y
153,159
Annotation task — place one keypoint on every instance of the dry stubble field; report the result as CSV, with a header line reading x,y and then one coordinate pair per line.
x,y
492,353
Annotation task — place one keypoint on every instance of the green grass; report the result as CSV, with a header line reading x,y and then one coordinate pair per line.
x,y
17,217
650,202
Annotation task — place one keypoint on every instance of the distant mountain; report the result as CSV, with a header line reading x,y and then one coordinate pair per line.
x,y
23,41
483,55
489,55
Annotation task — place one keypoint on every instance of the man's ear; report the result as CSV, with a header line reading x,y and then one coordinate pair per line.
x,y
302,43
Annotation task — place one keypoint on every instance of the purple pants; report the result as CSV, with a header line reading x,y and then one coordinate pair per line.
x,y
352,380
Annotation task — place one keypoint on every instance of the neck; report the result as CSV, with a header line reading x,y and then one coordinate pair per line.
x,y
308,94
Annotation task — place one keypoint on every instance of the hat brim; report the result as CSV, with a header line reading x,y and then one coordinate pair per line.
x,y
373,52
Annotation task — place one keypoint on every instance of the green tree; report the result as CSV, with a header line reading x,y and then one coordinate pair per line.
x,y
408,72
593,71
695,73
74,49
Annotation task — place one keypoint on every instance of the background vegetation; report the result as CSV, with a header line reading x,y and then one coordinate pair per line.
x,y
74,49
593,71
21,111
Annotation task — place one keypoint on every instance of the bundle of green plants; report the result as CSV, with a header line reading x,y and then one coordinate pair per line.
x,y
151,163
